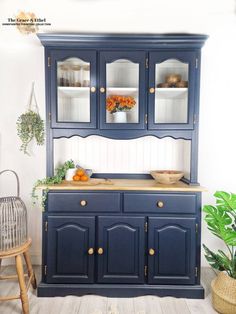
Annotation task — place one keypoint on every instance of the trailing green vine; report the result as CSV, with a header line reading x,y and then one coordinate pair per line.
x,y
30,126
59,176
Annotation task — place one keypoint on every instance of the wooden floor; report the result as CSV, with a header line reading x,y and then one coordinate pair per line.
x,y
102,305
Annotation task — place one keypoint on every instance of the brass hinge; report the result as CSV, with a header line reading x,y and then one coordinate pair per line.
x,y
45,270
146,118
196,271
145,270
146,227
194,119
147,63
49,61
196,63
196,228
46,226
49,116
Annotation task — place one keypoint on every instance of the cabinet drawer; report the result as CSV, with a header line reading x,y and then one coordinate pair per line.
x,y
160,203
83,202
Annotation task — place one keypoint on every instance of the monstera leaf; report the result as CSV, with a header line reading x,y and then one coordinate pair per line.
x,y
220,261
226,201
220,223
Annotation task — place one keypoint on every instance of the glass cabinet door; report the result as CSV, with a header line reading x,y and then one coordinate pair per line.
x,y
73,89
171,94
122,90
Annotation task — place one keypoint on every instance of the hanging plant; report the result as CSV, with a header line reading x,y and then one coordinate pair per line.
x,y
30,125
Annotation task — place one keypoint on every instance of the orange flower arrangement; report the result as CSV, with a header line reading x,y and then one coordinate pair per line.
x,y
116,103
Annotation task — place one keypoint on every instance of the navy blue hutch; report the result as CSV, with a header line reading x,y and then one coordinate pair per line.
x,y
135,237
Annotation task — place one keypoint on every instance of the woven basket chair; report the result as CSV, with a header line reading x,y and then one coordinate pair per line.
x,y
14,242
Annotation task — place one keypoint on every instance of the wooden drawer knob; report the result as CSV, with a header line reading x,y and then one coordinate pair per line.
x,y
151,252
160,204
83,203
100,251
90,251
152,90
93,89
102,90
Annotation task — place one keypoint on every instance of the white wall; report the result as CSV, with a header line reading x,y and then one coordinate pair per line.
x,y
22,62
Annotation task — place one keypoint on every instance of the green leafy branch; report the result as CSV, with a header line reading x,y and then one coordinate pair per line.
x,y
59,176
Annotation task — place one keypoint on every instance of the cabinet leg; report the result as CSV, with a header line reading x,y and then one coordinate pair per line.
x,y
30,269
23,290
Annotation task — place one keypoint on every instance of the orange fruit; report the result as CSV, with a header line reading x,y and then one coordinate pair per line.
x,y
80,172
76,178
84,178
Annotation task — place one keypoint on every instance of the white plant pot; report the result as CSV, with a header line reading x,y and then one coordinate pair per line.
x,y
70,173
120,117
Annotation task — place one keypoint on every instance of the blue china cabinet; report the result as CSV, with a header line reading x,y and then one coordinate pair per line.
x,y
136,237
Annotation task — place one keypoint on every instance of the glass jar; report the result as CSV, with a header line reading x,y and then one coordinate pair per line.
x,y
66,79
86,75
76,69
61,75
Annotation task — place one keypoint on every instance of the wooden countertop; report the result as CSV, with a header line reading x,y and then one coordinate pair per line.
x,y
124,185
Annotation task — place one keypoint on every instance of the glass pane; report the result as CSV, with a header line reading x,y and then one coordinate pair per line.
x,y
73,90
122,103
171,92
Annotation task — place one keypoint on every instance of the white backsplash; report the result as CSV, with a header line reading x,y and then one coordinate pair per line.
x,y
140,155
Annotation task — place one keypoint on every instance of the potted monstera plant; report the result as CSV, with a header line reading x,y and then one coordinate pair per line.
x,y
221,221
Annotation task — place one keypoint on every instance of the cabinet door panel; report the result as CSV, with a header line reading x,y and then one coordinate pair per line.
x,y
122,93
73,89
122,240
171,90
69,239
174,244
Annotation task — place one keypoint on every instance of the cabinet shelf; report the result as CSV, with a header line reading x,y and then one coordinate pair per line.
x,y
171,92
122,91
70,91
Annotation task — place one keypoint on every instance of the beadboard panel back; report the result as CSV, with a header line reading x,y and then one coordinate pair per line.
x,y
140,155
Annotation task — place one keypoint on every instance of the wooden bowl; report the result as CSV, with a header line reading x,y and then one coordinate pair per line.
x,y
182,84
163,85
166,176
173,78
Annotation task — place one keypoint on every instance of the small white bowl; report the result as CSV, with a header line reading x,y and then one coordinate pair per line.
x,y
70,173
166,176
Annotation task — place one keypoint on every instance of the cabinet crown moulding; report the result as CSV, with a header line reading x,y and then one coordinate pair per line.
x,y
155,40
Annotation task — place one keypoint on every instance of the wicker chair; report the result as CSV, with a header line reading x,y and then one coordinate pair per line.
x,y
14,242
